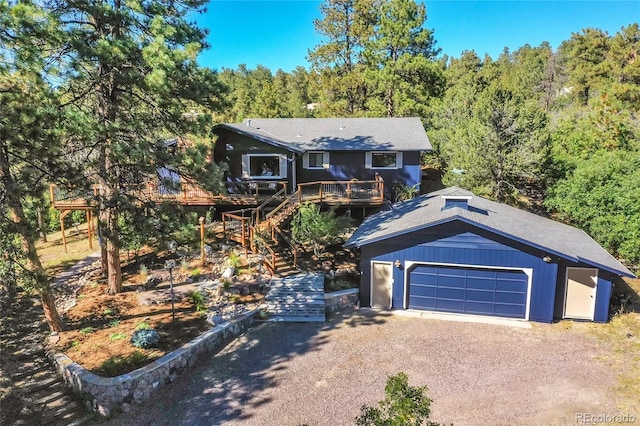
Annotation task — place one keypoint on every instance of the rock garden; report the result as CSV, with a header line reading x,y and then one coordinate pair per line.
x,y
110,335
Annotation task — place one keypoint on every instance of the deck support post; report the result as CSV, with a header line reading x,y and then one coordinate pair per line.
x,y
201,220
90,228
64,238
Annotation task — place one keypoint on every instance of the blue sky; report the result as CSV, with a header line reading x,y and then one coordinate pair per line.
x,y
279,34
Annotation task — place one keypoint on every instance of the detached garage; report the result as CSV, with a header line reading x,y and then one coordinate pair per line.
x,y
451,251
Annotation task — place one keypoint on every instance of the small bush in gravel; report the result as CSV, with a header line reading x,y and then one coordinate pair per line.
x,y
403,405
145,339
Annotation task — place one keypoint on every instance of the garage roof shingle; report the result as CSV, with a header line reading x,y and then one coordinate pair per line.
x,y
528,228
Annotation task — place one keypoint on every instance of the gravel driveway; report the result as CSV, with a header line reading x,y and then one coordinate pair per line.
x,y
477,374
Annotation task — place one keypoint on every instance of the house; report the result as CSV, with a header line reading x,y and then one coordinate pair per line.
x,y
452,251
303,150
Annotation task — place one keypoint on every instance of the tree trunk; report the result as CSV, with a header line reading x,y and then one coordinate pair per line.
x,y
104,268
41,225
109,217
33,261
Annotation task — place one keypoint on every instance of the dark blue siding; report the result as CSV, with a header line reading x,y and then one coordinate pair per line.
x,y
459,243
603,297
347,165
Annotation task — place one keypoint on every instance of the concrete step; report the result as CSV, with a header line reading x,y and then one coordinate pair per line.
x,y
296,300
297,319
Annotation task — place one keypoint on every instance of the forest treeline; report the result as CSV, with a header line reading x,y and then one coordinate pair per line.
x,y
91,91
556,130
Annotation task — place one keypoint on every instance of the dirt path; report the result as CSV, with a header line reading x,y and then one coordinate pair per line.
x,y
477,374
33,392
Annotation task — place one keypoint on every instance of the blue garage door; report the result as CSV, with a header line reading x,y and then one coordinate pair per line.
x,y
495,292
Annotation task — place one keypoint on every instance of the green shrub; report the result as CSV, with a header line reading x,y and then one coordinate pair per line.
x,y
145,339
403,405
118,364
114,323
143,326
117,336
198,300
234,260
187,234
87,330
319,229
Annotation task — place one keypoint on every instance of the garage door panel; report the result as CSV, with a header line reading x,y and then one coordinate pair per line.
x,y
423,290
469,290
481,283
479,308
449,305
450,293
446,280
510,285
513,311
421,302
422,278
504,297
479,295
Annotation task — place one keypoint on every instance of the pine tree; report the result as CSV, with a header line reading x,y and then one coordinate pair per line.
x,y
131,70
30,152
400,57
346,25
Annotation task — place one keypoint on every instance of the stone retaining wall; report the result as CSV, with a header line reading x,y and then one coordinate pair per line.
x,y
339,300
103,395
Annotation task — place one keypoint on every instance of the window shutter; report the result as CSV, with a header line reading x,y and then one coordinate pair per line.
x,y
305,160
283,166
325,160
246,167
367,160
398,160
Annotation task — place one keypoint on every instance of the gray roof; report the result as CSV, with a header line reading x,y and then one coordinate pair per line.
x,y
528,228
337,134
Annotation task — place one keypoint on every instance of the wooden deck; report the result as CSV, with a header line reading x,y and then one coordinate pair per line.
x,y
243,194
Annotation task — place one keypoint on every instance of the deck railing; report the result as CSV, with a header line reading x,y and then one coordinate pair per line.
x,y
185,193
352,191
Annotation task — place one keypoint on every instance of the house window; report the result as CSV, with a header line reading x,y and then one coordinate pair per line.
x,y
383,160
264,166
316,160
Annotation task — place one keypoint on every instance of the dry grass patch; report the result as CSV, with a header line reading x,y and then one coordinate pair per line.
x,y
621,337
52,254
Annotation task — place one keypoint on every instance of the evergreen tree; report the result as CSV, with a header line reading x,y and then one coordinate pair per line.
x,y
346,25
400,58
30,152
131,71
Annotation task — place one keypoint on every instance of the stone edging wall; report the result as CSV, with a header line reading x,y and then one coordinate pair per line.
x,y
104,394
339,300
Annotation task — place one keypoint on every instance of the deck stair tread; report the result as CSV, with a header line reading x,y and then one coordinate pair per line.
x,y
297,298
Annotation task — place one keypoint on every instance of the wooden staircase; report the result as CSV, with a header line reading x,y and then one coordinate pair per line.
x,y
257,230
